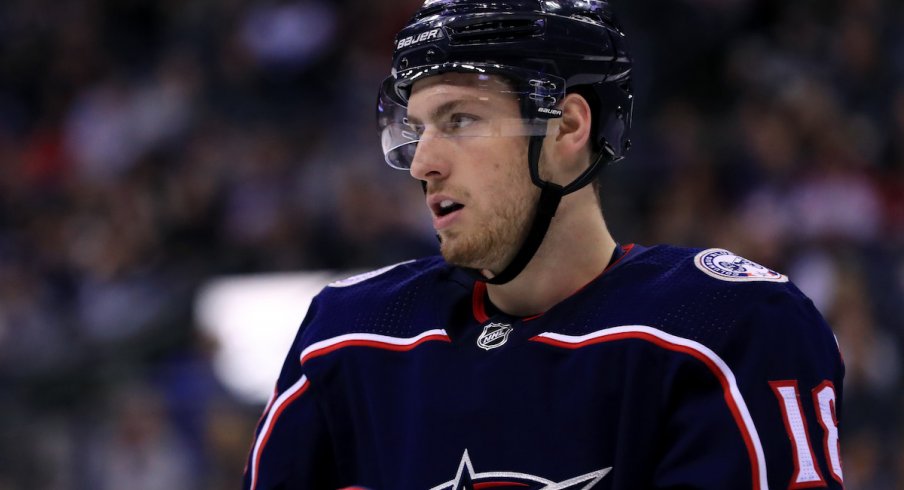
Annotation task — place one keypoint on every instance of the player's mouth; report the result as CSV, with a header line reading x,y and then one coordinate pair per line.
x,y
445,211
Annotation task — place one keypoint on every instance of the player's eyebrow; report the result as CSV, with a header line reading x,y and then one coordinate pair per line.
x,y
439,111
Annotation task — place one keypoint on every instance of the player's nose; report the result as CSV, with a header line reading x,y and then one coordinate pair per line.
x,y
431,161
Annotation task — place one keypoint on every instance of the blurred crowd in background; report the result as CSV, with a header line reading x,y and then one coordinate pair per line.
x,y
149,145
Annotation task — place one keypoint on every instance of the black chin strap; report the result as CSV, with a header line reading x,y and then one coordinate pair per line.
x,y
550,196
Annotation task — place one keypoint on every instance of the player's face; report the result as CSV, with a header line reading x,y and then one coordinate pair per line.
x,y
479,190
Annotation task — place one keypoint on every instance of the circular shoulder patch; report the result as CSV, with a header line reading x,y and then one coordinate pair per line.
x,y
351,281
724,265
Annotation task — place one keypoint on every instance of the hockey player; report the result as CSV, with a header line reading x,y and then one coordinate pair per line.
x,y
536,352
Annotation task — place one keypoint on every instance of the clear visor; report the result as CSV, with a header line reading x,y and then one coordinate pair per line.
x,y
456,101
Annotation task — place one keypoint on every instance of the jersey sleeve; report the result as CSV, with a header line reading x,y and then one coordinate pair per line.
x,y
760,409
790,372
292,446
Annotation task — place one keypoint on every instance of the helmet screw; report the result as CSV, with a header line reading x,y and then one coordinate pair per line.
x,y
403,64
430,54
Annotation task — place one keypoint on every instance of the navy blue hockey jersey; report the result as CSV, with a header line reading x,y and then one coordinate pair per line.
x,y
675,368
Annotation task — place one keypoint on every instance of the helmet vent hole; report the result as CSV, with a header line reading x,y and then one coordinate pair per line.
x,y
495,31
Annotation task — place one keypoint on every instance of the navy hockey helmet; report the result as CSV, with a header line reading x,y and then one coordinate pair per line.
x,y
546,48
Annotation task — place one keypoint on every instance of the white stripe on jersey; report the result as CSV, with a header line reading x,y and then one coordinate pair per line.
x,y
368,337
699,348
265,430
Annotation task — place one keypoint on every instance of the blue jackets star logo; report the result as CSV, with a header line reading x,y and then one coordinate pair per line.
x,y
468,479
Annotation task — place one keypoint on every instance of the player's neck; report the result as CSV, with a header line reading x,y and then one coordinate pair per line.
x,y
577,249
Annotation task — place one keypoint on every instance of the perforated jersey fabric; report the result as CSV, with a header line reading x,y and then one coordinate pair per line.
x,y
654,375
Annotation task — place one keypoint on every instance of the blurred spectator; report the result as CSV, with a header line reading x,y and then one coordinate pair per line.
x,y
137,448
288,35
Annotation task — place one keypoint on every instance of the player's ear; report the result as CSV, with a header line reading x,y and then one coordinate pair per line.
x,y
571,144
574,129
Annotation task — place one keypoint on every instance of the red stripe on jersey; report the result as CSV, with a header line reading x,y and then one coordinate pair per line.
x,y
269,424
480,312
733,406
260,420
374,341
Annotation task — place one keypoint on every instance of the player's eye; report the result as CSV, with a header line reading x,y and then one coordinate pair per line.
x,y
459,121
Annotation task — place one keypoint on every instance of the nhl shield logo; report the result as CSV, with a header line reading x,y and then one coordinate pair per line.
x,y
494,335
